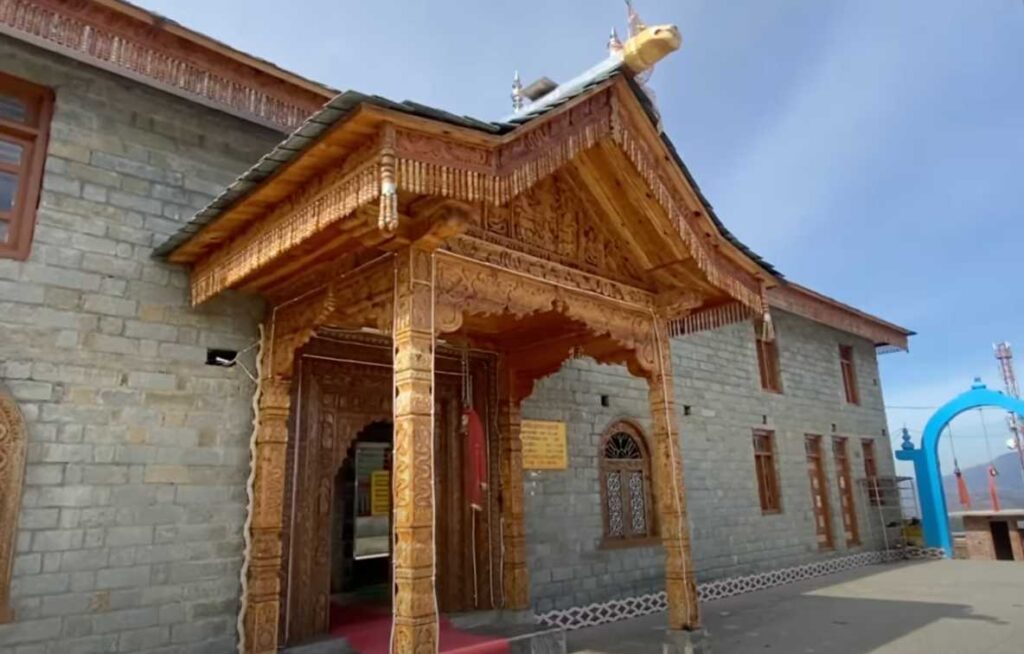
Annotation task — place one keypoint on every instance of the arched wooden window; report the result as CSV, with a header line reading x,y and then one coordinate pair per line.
x,y
626,487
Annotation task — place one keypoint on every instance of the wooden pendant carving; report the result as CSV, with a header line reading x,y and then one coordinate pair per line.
x,y
12,474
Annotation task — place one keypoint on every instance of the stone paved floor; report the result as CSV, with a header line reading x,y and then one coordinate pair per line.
x,y
936,607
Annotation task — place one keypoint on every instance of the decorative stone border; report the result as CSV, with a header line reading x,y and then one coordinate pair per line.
x,y
590,615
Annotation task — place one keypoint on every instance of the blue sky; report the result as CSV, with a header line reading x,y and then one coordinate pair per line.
x,y
872,150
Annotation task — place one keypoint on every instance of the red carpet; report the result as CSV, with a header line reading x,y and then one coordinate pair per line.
x,y
368,629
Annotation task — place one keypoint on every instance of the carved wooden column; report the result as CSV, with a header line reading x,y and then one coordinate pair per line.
x,y
515,574
683,606
264,575
415,610
12,475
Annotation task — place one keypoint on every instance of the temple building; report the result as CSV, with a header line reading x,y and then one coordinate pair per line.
x,y
281,365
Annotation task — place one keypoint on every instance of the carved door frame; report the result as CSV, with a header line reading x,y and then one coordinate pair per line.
x,y
318,450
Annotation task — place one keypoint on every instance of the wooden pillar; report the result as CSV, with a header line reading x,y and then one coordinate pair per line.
x,y
515,574
415,609
263,597
683,606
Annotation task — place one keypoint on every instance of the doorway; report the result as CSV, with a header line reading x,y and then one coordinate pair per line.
x,y
1001,540
338,538
361,520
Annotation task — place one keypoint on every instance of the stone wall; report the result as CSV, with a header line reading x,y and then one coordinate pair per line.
x,y
720,402
130,534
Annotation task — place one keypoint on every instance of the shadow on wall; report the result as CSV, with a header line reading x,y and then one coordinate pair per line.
x,y
791,619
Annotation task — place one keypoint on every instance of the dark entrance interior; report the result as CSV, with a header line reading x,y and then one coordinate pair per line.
x,y
361,524
1001,540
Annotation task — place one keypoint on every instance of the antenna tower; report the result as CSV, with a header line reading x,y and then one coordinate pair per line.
x,y
1005,357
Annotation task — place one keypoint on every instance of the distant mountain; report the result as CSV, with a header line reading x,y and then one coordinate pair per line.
x,y
1009,483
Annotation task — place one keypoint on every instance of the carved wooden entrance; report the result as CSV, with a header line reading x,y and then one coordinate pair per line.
x,y
345,384
576,233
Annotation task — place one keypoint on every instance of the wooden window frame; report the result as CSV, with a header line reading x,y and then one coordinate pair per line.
x,y
867,447
766,472
848,372
768,366
643,464
816,473
33,136
844,484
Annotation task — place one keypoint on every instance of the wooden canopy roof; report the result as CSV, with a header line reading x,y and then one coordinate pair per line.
x,y
314,199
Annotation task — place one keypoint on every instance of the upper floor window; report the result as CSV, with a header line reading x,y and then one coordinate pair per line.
x,y
626,486
849,374
766,471
25,111
871,472
768,361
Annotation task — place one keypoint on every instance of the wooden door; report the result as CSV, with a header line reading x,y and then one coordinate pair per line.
x,y
871,472
337,400
467,540
845,482
345,387
819,492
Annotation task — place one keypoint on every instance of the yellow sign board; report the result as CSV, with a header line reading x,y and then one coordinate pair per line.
x,y
380,492
544,446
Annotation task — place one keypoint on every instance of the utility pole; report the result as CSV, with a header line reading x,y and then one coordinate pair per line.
x,y
1005,357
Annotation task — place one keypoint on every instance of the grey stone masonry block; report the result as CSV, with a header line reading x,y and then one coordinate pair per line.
x,y
720,403
107,361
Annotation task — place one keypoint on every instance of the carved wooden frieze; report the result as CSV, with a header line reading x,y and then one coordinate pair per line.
x,y
510,178
319,206
12,474
469,287
117,42
553,222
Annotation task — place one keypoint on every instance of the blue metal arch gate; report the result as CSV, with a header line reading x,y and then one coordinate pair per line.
x,y
934,519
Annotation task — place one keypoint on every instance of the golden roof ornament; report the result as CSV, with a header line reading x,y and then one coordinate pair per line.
x,y
636,24
636,58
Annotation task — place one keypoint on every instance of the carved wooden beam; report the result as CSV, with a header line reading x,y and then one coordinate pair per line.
x,y
465,286
134,43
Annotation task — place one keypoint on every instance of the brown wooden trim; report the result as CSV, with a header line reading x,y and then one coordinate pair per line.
x,y
154,51
39,102
158,21
768,364
844,482
765,464
822,512
809,304
848,373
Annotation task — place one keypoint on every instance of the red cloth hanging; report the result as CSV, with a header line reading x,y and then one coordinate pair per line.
x,y
993,491
961,486
476,459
